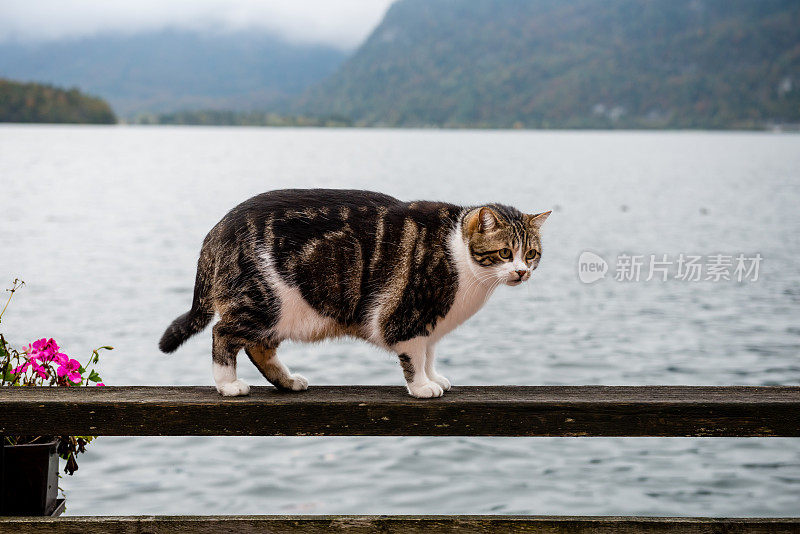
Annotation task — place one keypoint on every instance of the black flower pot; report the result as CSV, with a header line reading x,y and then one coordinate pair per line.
x,y
30,479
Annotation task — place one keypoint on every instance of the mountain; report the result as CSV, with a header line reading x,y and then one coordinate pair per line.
x,y
172,70
576,63
31,102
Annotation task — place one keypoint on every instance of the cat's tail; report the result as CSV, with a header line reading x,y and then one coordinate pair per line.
x,y
197,318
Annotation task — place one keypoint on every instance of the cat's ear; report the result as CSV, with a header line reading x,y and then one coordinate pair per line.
x,y
536,221
488,219
481,220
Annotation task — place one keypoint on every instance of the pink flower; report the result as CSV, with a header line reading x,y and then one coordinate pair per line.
x,y
21,368
44,350
40,370
60,358
100,384
39,355
46,345
30,352
70,369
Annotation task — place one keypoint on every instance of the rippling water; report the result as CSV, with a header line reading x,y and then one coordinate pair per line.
x,y
105,223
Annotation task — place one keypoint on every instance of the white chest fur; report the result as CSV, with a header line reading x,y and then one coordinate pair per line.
x,y
473,289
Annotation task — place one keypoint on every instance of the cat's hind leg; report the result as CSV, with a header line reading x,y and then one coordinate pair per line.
x,y
264,357
227,342
412,355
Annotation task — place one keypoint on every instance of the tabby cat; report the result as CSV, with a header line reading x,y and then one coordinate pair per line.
x,y
310,264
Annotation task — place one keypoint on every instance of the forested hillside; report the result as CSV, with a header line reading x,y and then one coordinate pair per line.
x,y
32,102
576,63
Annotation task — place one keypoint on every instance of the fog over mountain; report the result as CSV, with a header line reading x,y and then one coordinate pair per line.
x,y
341,24
156,56
171,70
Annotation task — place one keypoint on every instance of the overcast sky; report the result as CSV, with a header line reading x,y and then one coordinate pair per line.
x,y
342,23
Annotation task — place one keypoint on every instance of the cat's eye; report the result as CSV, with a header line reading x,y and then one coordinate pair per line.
x,y
504,253
531,254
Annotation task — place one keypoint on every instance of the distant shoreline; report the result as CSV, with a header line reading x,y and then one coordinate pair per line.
x,y
212,117
773,129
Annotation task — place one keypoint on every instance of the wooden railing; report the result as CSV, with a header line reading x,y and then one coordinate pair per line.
x,y
389,411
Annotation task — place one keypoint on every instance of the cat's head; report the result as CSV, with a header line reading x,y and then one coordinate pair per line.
x,y
503,243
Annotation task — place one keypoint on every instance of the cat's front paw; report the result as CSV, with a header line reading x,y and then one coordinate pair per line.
x,y
425,390
442,381
236,388
299,383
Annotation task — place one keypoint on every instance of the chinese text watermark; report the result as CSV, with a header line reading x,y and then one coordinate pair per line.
x,y
662,267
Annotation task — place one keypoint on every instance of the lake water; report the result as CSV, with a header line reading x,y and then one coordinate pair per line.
x,y
105,224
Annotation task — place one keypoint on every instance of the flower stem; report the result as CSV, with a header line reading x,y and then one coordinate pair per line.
x,y
16,285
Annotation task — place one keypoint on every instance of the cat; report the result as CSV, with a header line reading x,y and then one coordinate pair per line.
x,y
311,264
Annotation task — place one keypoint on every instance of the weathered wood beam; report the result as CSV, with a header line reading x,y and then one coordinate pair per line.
x,y
389,411
2,472
399,524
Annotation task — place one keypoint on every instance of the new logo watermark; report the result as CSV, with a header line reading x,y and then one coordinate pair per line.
x,y
662,267
591,267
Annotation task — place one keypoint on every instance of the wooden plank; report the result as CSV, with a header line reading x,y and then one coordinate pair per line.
x,y
389,411
399,524
2,472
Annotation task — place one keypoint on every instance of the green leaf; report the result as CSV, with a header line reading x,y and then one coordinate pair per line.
x,y
8,376
94,377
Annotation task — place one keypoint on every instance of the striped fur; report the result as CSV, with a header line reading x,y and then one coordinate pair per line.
x,y
307,265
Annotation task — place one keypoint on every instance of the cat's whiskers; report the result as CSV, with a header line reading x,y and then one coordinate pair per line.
x,y
477,282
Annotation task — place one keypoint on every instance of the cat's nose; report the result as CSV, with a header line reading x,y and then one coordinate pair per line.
x,y
521,273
